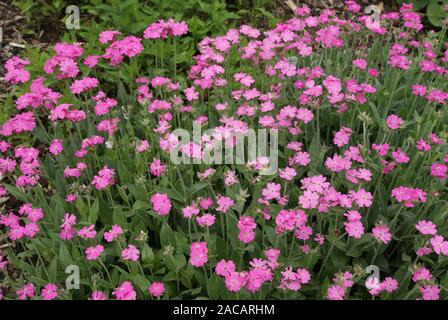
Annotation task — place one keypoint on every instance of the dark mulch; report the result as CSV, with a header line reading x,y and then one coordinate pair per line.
x,y
15,34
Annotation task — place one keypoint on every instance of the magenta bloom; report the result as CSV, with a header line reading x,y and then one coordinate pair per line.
x,y
113,234
439,170
49,292
335,292
157,289
125,292
382,233
354,229
98,295
56,147
430,292
198,254
94,252
394,122
161,203
104,178
26,292
130,253
426,227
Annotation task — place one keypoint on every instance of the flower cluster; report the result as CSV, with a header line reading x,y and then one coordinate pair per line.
x,y
362,163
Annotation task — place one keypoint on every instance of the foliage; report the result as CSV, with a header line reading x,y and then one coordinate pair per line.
x,y
362,125
435,9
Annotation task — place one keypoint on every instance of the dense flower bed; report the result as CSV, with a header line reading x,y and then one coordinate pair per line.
x,y
360,111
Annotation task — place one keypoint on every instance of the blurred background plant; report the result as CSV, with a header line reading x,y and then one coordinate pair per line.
x,y
434,10
45,22
205,17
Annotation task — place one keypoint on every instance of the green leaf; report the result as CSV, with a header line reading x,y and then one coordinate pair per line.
x,y
94,212
138,192
64,256
139,204
213,285
436,12
166,235
147,254
315,151
17,193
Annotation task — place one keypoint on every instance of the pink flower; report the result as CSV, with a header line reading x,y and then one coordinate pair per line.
x,y
15,70
426,227
142,146
26,292
422,145
113,234
382,233
439,245
108,35
235,282
249,31
336,292
71,198
309,200
206,220
23,122
422,274
354,229
389,285
225,268
161,203
157,168
303,232
191,94
91,61
56,147
104,178
49,292
94,252
157,289
87,232
224,204
337,163
400,156
198,254
439,170
246,226
293,280
163,29
342,137
271,191
125,292
287,173
418,90
84,84
305,115
409,196
362,198
430,292
98,295
190,211
360,64
394,122
130,253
